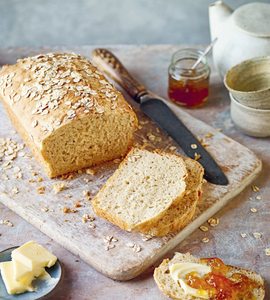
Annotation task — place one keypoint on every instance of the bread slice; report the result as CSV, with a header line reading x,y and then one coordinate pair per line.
x,y
68,113
142,189
178,216
169,287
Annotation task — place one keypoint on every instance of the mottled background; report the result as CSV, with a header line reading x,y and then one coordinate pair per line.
x,y
89,22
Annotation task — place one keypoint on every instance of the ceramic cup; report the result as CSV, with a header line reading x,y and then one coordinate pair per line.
x,y
249,82
251,121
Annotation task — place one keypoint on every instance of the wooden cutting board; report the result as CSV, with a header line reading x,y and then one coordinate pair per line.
x,y
240,165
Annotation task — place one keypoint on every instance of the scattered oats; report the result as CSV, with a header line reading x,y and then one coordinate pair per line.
x,y
29,167
205,240
204,228
5,176
172,148
204,180
45,209
86,193
257,235
205,144
117,161
194,146
34,173
15,175
9,224
147,237
107,239
58,187
219,129
140,127
255,188
51,210
208,135
15,190
34,123
77,204
92,225
17,169
243,235
259,198
213,222
31,180
13,132
114,240
101,176
267,251
21,154
253,209
28,156
158,139
130,245
157,129
41,188
151,137
69,196
197,156
109,247
76,260
90,172
80,171
39,179
136,248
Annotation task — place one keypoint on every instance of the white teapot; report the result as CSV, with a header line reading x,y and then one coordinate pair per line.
x,y
242,34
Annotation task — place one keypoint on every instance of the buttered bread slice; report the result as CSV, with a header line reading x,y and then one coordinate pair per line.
x,y
69,114
141,191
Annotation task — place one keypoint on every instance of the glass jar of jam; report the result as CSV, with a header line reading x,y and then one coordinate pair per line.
x,y
188,88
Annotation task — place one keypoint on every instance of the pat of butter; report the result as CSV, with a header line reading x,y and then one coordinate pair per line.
x,y
12,286
32,255
179,272
21,271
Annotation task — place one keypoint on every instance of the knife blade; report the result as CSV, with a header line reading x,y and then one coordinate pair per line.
x,y
160,113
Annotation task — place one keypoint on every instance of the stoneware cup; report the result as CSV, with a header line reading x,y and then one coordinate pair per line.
x,y
249,82
251,121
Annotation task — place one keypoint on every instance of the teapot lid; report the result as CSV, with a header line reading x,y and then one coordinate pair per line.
x,y
253,18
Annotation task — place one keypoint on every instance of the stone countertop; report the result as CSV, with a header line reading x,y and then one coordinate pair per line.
x,y
149,65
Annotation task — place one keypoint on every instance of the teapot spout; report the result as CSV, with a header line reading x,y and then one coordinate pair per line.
x,y
218,13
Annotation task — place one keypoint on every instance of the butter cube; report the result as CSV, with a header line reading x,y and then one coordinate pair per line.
x,y
21,271
32,255
12,286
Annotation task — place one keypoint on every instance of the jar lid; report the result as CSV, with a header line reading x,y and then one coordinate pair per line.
x,y
253,18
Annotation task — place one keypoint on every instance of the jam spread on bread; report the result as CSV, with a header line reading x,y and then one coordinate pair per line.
x,y
218,285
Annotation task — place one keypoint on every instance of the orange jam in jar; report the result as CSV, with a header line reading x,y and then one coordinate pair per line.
x,y
219,286
188,88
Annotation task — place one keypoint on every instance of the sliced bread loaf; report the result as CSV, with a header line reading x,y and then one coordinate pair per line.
x,y
142,189
168,285
178,216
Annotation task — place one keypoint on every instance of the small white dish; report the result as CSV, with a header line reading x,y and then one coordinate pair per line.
x,y
251,121
44,288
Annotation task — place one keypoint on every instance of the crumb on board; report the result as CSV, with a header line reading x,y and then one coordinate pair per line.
x,y
58,187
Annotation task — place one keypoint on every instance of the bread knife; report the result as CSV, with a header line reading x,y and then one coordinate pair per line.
x,y
160,113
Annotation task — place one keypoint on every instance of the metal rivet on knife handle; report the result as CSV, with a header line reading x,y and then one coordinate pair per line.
x,y
110,65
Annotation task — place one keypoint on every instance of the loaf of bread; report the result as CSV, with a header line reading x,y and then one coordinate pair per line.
x,y
171,288
178,216
142,189
67,112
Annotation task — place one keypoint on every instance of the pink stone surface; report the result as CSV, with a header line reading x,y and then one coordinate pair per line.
x,y
149,65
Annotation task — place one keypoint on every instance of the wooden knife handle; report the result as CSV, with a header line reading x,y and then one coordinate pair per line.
x,y
111,66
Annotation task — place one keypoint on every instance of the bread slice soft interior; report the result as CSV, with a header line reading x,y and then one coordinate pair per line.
x,y
172,289
142,189
178,216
